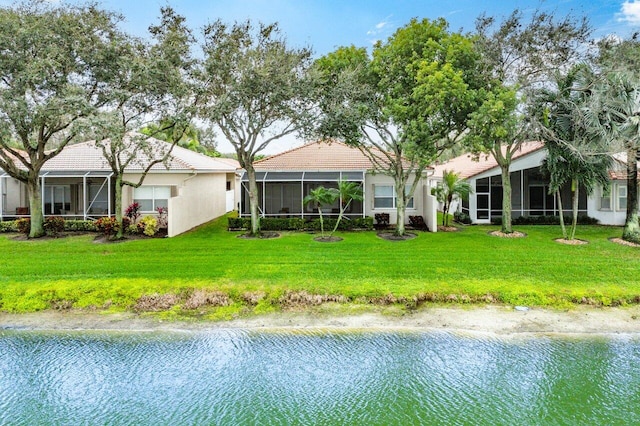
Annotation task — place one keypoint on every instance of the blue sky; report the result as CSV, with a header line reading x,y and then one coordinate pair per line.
x,y
327,24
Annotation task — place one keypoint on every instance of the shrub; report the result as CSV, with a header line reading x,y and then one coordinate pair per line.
x,y
382,219
80,226
550,220
163,213
417,222
107,225
150,225
8,226
133,212
462,217
23,225
53,225
300,224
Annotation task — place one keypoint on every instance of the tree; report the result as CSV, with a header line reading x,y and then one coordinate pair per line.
x,y
451,189
517,59
322,196
150,85
194,138
254,89
347,192
574,155
56,64
615,115
403,106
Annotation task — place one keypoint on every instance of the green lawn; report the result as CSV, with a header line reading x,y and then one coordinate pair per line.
x,y
465,266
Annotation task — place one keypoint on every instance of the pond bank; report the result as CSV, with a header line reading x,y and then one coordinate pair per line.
x,y
491,319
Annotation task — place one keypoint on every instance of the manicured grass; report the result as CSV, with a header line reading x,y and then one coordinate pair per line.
x,y
261,275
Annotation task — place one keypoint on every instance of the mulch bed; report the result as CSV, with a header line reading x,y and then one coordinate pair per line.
x,y
390,236
623,242
331,239
514,234
574,242
262,236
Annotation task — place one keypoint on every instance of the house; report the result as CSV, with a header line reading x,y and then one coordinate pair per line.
x,y
78,184
286,178
530,190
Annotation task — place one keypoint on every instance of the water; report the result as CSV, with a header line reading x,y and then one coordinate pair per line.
x,y
231,377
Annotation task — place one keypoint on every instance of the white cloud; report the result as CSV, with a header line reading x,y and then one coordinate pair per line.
x,y
381,30
630,12
381,25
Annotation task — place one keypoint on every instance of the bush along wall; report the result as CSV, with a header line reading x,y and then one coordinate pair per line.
x,y
299,224
546,220
52,224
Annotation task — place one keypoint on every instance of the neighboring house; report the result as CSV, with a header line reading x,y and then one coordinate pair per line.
x,y
286,178
78,184
530,190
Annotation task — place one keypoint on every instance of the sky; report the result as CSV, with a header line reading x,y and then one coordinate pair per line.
x,y
324,25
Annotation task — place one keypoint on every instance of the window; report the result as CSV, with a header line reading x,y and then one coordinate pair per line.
x,y
385,197
152,197
605,197
622,197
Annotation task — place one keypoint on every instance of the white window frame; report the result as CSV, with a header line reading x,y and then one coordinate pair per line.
x,y
606,194
154,198
620,197
410,203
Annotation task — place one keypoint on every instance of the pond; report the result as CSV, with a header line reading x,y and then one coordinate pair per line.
x,y
237,377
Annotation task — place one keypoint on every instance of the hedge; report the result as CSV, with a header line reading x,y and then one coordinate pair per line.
x,y
299,224
69,226
547,220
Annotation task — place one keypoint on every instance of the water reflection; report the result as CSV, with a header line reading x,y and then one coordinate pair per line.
x,y
331,377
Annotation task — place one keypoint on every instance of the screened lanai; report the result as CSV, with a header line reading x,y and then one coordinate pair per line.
x,y
281,193
529,196
82,195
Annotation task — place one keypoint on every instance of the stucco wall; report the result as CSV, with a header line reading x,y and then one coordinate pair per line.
x,y
372,180
195,198
200,200
613,216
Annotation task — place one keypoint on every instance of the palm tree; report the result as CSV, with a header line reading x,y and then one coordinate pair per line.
x,y
615,116
574,155
348,191
322,196
451,189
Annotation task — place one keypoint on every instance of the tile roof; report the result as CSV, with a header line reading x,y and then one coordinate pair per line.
x,y
86,156
319,156
466,166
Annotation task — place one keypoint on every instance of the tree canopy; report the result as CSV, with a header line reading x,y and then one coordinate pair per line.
x,y
518,57
254,88
57,63
404,105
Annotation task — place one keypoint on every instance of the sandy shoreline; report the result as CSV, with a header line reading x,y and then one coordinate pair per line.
x,y
489,319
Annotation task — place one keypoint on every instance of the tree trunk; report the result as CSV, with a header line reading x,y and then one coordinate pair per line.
x,y
321,222
574,210
506,199
35,208
564,228
631,230
118,198
340,215
253,200
400,209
